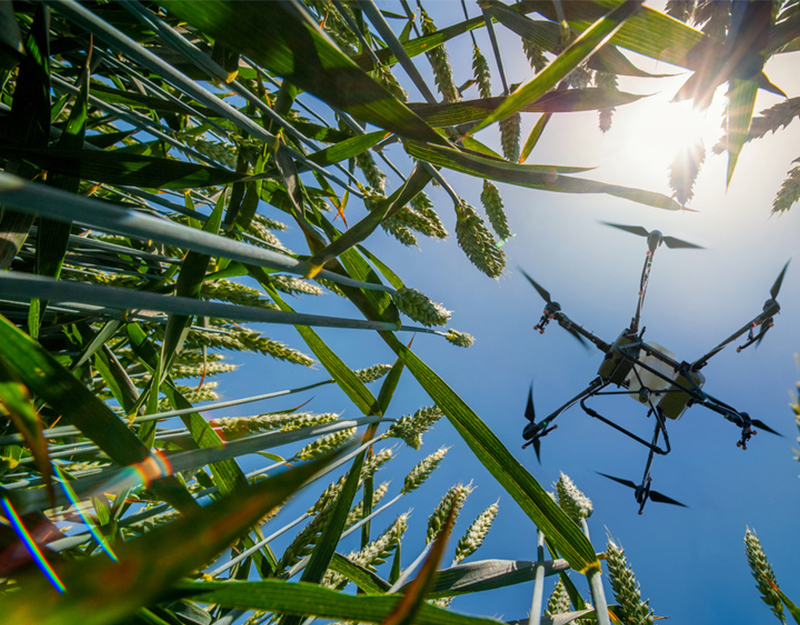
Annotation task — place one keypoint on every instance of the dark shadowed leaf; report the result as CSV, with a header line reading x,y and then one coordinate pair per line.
x,y
99,591
278,38
122,168
310,599
562,101
45,377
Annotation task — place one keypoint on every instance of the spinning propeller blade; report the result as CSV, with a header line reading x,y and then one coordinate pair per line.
x,y
653,495
579,338
779,281
660,498
539,289
545,295
632,229
530,411
530,415
627,483
672,242
763,426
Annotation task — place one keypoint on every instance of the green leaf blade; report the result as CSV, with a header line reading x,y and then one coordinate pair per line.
x,y
578,51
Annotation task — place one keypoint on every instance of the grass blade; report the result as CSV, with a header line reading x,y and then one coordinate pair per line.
x,y
417,590
355,389
17,404
21,287
559,529
559,101
36,199
149,565
547,35
582,48
790,605
123,168
190,279
415,183
347,148
533,138
362,577
53,236
543,177
489,574
309,599
276,37
29,123
741,100
45,377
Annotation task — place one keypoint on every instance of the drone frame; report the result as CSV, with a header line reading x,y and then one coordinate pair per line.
x,y
624,362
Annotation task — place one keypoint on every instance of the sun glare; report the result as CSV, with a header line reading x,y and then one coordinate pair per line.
x,y
658,130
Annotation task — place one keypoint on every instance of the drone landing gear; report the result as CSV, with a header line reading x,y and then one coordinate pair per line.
x,y
642,491
660,426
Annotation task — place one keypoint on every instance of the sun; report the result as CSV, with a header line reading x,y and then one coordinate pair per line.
x,y
650,136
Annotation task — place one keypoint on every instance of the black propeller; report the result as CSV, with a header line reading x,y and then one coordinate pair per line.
x,y
638,230
763,426
743,419
762,332
779,281
533,432
670,242
530,429
643,492
539,289
773,293
553,307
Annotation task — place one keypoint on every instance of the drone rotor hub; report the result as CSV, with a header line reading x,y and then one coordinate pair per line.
x,y
654,239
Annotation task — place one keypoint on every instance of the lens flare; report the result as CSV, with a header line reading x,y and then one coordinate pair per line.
x,y
90,524
30,544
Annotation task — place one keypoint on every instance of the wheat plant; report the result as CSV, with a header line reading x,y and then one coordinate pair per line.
x,y
153,155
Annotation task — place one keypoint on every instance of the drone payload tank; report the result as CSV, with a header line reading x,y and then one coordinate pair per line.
x,y
653,379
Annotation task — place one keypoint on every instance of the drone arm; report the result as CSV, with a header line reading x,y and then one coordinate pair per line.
x,y
759,319
643,281
574,328
595,385
652,447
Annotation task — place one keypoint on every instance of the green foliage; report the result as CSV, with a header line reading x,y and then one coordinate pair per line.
x,y
153,158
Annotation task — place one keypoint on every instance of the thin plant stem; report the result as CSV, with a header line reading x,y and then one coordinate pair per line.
x,y
538,585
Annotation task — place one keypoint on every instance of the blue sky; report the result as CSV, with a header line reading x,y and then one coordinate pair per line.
x,y
690,562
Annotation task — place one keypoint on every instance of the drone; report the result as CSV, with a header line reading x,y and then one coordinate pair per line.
x,y
648,372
